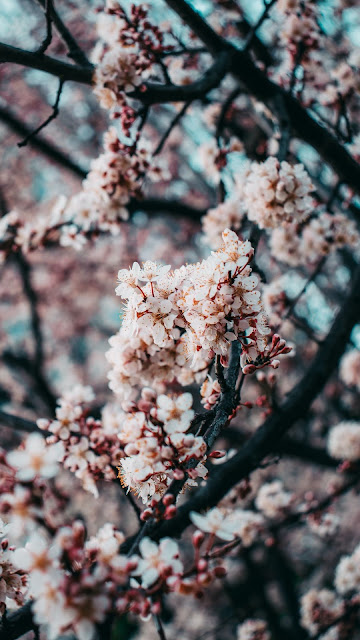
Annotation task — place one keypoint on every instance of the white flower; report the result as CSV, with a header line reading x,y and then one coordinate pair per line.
x,y
37,558
214,522
175,412
36,458
157,560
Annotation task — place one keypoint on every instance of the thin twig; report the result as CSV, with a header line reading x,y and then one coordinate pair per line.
x,y
48,38
52,116
257,25
172,125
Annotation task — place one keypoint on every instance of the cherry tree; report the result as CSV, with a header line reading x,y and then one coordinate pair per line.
x,y
180,293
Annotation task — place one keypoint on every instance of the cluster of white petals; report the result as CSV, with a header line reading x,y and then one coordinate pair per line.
x,y
35,458
228,525
253,630
350,368
276,193
175,322
12,580
157,562
83,446
227,215
125,53
158,447
319,609
344,441
347,574
321,236
273,500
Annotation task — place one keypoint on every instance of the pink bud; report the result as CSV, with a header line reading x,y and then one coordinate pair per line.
x,y
202,565
170,512
168,499
217,454
249,368
198,538
220,572
178,474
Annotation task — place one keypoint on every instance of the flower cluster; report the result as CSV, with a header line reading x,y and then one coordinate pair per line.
x,y
319,609
158,446
12,580
26,504
322,235
344,441
87,449
273,500
227,215
186,317
350,368
276,193
114,178
253,630
128,48
347,575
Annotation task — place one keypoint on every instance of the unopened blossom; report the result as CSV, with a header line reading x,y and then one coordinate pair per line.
x,y
36,458
273,500
347,574
344,441
277,193
319,608
157,561
350,368
253,630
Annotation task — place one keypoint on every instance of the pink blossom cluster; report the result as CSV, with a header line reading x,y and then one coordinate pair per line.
x,y
28,502
129,47
276,193
114,178
85,447
158,446
321,236
75,583
253,630
182,319
12,579
320,608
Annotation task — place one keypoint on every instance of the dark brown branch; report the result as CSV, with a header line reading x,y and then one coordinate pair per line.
x,y
15,422
17,623
64,70
160,93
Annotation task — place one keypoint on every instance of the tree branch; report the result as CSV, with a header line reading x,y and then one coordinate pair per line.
x,y
64,70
